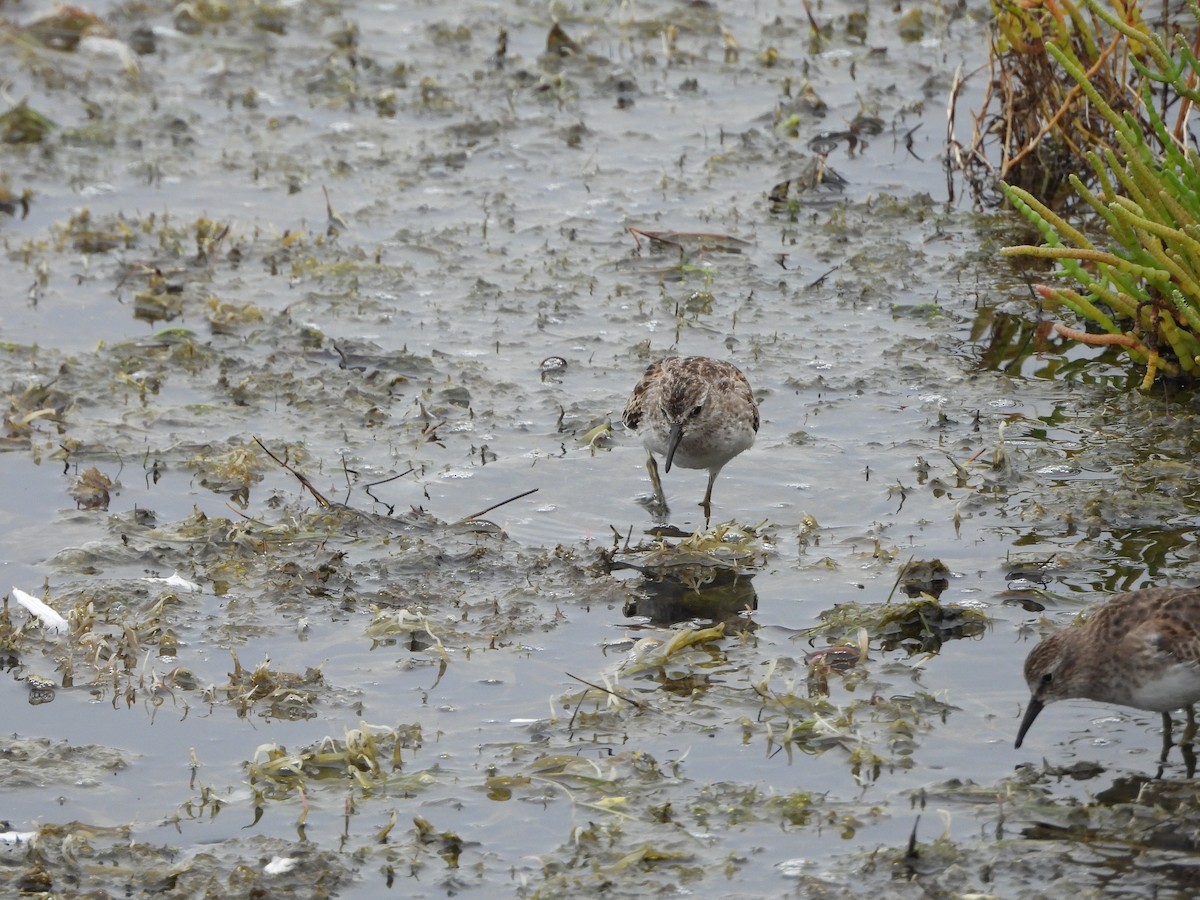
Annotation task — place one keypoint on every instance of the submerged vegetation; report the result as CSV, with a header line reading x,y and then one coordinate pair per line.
x,y
133,643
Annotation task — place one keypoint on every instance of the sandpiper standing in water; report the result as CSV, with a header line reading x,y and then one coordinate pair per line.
x,y
1141,649
695,411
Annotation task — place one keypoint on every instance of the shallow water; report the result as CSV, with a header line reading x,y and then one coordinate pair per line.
x,y
481,225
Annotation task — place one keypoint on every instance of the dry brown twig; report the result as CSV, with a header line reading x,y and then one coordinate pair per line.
x,y
321,499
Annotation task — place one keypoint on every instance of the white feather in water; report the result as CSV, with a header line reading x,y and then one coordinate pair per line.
x,y
50,620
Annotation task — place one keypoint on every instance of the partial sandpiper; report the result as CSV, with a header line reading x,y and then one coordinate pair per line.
x,y
695,411
1141,649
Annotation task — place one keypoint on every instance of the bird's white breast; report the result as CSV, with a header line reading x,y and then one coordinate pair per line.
x,y
1174,687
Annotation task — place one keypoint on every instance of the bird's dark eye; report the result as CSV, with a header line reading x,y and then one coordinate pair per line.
x,y
1047,678
695,412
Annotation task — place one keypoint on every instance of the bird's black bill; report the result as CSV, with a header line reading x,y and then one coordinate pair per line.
x,y
673,440
1031,712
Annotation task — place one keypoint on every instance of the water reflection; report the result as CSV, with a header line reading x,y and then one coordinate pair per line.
x,y
1018,345
728,598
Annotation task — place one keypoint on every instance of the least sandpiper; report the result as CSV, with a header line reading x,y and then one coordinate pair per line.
x,y
1141,649
694,411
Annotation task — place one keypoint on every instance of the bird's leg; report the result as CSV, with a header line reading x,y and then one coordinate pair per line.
x,y
1185,743
1162,761
1189,733
652,468
706,503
